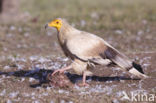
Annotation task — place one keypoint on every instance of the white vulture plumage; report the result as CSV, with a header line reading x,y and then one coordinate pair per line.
x,y
87,49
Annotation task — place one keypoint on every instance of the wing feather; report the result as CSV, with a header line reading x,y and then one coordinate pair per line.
x,y
87,47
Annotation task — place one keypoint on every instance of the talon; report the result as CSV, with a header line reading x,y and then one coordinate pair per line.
x,y
60,71
54,72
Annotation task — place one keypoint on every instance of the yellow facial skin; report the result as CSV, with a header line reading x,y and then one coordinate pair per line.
x,y
56,23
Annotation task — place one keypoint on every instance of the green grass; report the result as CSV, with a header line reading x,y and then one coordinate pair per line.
x,y
101,17
111,13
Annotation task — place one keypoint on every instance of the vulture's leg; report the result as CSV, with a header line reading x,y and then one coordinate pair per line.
x,y
62,70
84,80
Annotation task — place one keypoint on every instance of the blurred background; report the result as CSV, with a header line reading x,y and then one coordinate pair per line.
x,y
128,25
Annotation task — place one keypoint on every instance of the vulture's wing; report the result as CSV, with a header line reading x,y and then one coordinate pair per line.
x,y
89,47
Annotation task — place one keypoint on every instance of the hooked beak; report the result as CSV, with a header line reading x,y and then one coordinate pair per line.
x,y
46,26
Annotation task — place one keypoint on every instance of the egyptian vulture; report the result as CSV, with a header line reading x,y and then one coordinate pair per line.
x,y
86,49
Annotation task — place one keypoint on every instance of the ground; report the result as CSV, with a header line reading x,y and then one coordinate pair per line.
x,y
28,53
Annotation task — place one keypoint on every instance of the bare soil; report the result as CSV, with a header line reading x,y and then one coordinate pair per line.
x,y
27,58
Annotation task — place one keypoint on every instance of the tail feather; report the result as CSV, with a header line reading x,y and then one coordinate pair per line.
x,y
138,67
132,67
123,62
137,73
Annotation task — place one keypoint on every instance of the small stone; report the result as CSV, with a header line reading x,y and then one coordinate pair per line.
x,y
9,101
13,94
22,79
115,101
31,79
62,101
36,101
51,101
7,67
119,32
12,28
3,93
70,102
